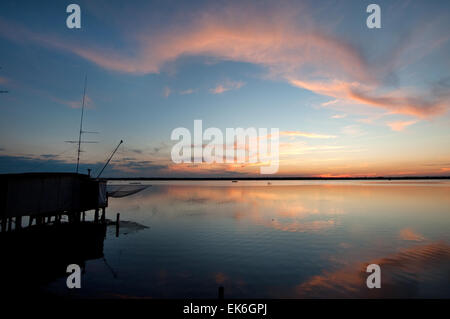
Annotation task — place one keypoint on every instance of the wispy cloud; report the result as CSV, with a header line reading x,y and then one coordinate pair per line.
x,y
272,37
188,91
75,104
330,102
306,134
400,125
227,86
397,102
339,116
403,103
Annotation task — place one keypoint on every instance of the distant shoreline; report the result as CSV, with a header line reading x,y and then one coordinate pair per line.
x,y
242,178
273,178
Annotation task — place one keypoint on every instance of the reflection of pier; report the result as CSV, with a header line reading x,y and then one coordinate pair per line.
x,y
46,197
40,254
44,226
36,243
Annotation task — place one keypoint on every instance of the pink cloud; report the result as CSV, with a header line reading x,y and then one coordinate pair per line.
x,y
227,86
75,104
398,102
283,40
403,103
400,125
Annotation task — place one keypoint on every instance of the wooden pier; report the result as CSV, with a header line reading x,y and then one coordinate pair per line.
x,y
42,198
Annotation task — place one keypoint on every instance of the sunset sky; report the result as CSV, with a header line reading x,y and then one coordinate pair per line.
x,y
348,100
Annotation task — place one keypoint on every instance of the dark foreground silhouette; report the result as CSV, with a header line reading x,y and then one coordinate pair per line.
x,y
37,255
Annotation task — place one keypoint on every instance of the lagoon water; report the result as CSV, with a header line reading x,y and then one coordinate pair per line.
x,y
289,239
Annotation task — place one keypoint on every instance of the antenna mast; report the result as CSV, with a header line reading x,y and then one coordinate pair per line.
x,y
81,124
80,141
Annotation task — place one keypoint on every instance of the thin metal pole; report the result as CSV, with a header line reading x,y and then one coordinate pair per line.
x,y
81,124
109,159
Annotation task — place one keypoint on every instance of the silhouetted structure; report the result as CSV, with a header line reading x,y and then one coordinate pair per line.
x,y
46,197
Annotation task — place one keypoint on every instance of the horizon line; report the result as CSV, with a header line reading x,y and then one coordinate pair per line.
x,y
282,178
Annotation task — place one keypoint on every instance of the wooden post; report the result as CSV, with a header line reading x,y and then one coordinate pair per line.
x,y
117,224
103,215
96,215
84,216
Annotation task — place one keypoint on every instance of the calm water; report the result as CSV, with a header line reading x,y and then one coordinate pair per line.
x,y
289,239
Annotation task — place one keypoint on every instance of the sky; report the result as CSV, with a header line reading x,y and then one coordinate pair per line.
x,y
347,100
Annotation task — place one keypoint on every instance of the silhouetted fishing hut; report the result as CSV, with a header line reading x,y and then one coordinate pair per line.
x,y
46,197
